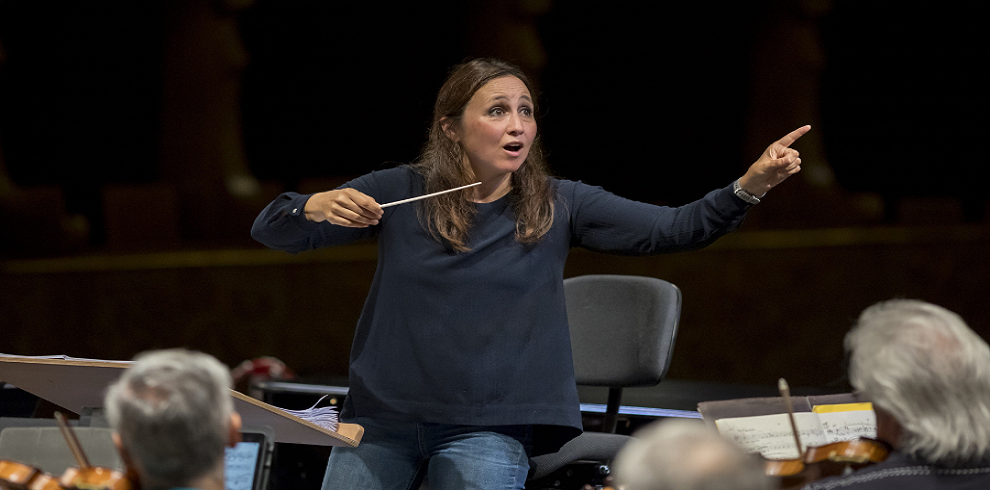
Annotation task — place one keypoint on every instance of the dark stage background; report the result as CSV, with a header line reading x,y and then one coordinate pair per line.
x,y
138,140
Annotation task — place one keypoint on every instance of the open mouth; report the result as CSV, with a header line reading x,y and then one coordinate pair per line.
x,y
513,147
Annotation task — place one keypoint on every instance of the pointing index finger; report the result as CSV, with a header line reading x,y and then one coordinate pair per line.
x,y
791,137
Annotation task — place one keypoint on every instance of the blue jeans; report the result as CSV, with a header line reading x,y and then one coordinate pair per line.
x,y
395,455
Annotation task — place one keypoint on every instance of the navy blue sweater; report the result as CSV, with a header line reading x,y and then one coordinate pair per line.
x,y
481,337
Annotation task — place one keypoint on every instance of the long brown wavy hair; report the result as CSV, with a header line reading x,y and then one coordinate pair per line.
x,y
441,163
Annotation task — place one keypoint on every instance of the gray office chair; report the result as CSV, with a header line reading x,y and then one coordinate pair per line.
x,y
622,335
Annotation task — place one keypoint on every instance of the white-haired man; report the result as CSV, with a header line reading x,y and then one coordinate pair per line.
x,y
928,376
172,418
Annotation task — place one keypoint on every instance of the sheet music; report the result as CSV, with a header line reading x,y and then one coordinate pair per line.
x,y
239,465
326,417
771,435
846,426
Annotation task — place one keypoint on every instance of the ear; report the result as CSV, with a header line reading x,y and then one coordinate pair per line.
x,y
119,443
449,128
234,435
125,457
889,429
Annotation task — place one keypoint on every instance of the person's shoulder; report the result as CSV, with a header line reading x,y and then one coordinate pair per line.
x,y
402,171
898,472
559,181
572,187
387,177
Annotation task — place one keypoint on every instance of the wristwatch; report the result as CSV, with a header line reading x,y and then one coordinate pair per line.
x,y
745,196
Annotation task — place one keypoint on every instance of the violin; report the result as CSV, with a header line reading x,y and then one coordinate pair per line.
x,y
833,459
20,476
86,476
95,478
823,461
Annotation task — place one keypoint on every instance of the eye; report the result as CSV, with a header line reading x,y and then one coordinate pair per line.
x,y
526,111
496,111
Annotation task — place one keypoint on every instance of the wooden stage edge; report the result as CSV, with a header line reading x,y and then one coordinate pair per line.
x,y
741,240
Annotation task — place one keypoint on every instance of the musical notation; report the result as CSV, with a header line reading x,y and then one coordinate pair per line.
x,y
846,426
771,435
239,465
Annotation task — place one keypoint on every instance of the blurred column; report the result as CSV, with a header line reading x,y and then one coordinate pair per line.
x,y
202,152
787,65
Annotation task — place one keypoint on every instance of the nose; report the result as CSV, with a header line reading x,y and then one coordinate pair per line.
x,y
515,127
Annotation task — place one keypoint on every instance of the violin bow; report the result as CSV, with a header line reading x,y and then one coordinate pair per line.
x,y
785,394
70,438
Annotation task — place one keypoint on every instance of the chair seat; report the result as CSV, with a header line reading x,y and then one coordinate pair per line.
x,y
589,446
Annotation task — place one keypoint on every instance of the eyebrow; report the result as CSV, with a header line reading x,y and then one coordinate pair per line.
x,y
506,97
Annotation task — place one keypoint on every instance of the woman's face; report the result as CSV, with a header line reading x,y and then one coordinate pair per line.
x,y
497,128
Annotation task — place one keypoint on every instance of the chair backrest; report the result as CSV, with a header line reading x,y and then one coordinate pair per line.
x,y
622,328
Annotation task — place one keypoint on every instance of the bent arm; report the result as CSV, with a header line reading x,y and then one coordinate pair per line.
x,y
298,222
282,225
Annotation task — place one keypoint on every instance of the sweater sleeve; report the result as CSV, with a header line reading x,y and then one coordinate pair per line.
x,y
282,225
605,222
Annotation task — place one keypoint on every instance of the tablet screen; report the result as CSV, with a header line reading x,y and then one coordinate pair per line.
x,y
244,462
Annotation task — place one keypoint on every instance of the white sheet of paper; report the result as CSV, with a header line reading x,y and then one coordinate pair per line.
x,y
771,435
